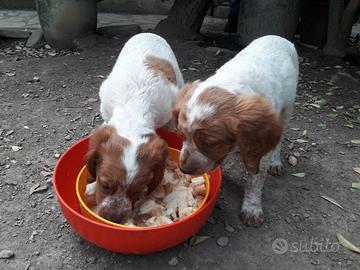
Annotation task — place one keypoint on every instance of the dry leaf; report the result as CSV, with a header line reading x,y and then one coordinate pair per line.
x,y
332,115
357,169
346,244
355,141
291,146
197,239
355,185
300,175
16,148
92,100
292,160
348,125
315,105
321,102
301,141
10,74
37,188
329,199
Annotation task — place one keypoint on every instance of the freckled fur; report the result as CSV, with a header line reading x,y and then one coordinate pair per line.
x,y
136,99
161,67
253,96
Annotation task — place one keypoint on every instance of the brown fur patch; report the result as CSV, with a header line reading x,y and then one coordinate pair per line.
x,y
161,67
246,121
152,157
103,160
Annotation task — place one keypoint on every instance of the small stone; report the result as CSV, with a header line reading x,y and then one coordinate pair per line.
x,y
212,220
315,262
10,182
306,215
68,137
34,79
6,254
45,173
16,148
222,241
92,100
229,228
91,260
31,238
173,261
10,132
292,160
57,155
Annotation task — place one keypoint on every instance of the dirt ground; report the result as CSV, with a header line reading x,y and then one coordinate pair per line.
x,y
50,102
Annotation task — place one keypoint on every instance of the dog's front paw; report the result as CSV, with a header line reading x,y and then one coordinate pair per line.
x,y
276,169
252,216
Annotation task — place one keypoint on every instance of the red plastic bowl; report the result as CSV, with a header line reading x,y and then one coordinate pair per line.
x,y
125,240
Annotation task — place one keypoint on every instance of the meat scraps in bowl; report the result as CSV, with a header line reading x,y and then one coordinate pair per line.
x,y
177,196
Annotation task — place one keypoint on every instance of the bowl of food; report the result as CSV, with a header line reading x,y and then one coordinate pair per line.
x,y
177,196
127,239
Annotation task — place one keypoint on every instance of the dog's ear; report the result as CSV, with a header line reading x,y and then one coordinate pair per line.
x,y
184,94
155,154
258,131
159,155
97,139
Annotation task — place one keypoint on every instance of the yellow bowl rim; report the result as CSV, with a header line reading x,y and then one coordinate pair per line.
x,y
99,218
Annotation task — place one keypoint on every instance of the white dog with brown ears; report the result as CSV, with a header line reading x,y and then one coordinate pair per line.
x,y
126,158
246,104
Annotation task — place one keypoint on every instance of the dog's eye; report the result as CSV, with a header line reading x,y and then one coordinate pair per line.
x,y
211,143
105,186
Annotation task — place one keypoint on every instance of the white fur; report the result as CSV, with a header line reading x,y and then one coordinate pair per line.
x,y
133,99
200,111
267,66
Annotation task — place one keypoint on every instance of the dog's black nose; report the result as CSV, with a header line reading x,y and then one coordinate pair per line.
x,y
187,170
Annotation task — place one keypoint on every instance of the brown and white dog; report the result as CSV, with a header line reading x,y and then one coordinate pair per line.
x,y
126,158
246,104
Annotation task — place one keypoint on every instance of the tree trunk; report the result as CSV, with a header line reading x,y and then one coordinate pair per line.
x,y
340,25
185,19
272,17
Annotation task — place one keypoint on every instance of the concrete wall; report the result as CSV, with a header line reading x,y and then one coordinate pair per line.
x,y
117,6
136,6
219,9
